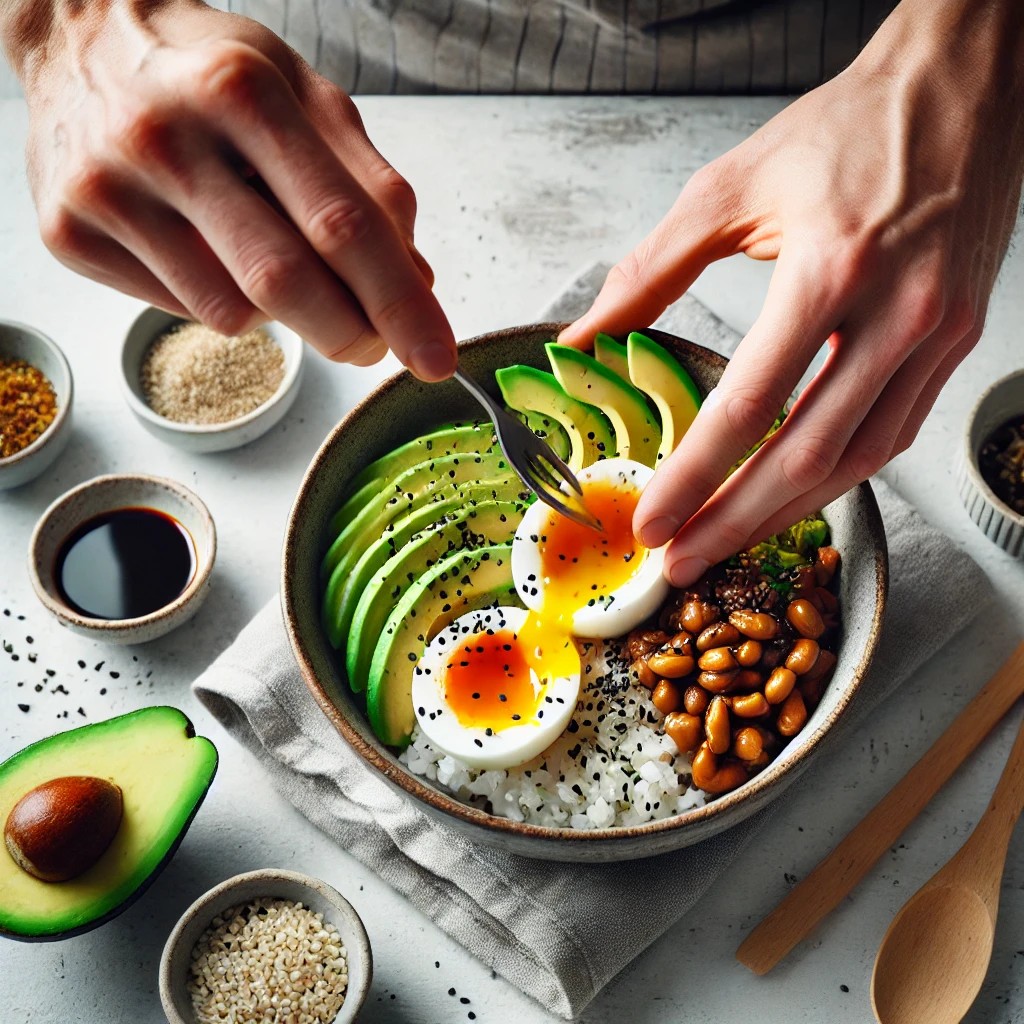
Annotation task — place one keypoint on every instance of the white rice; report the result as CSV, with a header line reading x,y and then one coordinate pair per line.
x,y
612,766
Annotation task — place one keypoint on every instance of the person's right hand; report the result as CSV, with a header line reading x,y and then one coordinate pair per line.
x,y
190,158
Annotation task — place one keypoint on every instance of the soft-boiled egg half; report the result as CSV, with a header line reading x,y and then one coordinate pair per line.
x,y
481,694
497,686
582,581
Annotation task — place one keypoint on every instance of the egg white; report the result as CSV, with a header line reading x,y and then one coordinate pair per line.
x,y
511,746
623,608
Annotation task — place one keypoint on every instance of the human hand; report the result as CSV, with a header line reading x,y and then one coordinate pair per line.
x,y
190,158
887,197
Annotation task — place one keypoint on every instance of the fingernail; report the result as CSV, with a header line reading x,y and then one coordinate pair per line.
x,y
433,360
658,531
686,570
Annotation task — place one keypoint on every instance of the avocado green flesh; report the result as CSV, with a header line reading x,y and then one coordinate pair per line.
x,y
349,579
354,505
549,429
637,435
611,353
456,437
163,770
590,435
658,374
463,582
419,485
486,524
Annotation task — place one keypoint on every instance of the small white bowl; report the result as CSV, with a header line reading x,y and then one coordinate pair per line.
x,y
269,883
105,494
206,437
1001,402
19,341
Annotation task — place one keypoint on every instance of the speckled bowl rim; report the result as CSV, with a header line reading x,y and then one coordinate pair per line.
x,y
144,411
970,456
63,408
212,897
473,816
195,587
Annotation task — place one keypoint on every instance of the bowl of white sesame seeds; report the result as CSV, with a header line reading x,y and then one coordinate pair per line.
x,y
267,945
203,391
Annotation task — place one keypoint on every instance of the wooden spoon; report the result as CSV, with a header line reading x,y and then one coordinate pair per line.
x,y
934,957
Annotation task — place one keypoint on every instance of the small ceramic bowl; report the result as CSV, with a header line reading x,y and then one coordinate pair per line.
x,y
106,494
19,341
206,437
316,895
1001,402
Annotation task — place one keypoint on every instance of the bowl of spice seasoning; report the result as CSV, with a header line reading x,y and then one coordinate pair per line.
x,y
991,472
268,945
123,558
35,403
204,391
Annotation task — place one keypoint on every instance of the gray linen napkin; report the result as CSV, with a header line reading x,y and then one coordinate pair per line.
x,y
558,932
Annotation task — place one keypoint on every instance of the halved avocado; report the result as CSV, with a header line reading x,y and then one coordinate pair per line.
x,y
460,583
658,374
163,770
530,390
347,582
637,434
611,353
476,526
417,486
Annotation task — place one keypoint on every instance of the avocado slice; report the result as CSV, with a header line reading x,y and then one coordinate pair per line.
x,y
548,429
463,582
419,485
476,526
350,578
658,374
525,388
163,770
477,436
611,353
637,434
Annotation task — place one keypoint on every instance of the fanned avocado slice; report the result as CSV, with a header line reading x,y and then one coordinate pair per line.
x,y
477,436
547,428
482,525
611,353
460,583
637,434
163,770
349,579
658,374
419,485
525,388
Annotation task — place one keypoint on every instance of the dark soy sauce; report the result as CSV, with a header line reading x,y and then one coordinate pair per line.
x,y
125,563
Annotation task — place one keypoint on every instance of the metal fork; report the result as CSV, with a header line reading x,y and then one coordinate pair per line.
x,y
533,460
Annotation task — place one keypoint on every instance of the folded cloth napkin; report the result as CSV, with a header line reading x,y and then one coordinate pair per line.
x,y
557,932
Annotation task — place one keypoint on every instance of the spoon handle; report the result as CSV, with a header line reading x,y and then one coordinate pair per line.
x,y
982,858
822,890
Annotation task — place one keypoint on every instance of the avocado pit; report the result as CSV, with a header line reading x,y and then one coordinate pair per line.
x,y
61,828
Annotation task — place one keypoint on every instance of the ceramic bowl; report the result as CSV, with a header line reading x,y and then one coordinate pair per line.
x,y
19,341
403,407
105,494
316,895
1001,402
206,437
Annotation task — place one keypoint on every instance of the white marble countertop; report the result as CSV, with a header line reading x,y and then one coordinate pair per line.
x,y
515,196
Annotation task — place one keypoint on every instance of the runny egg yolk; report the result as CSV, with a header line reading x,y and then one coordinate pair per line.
x,y
497,679
488,683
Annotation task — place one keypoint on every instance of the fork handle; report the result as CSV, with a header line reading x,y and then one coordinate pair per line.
x,y
477,392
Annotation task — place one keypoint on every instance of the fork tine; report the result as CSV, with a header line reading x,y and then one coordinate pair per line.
x,y
562,469
536,463
567,504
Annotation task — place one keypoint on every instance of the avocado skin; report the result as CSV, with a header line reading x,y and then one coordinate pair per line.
x,y
198,795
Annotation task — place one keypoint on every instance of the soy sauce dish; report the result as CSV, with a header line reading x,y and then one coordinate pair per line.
x,y
123,558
